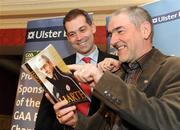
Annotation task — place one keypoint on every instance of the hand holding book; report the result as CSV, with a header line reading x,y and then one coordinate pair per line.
x,y
50,71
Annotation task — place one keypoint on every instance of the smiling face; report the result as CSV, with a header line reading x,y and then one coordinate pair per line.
x,y
81,35
130,41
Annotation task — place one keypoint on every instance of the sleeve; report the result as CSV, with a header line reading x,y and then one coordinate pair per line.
x,y
94,122
82,122
158,112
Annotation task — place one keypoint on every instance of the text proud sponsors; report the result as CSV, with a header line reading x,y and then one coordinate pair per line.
x,y
27,103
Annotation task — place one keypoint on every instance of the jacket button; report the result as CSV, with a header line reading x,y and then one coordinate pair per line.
x,y
114,98
109,95
105,92
118,101
106,115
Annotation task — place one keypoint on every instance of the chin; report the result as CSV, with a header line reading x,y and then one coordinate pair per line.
x,y
122,60
83,52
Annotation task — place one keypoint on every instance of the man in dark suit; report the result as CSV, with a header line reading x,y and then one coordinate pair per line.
x,y
80,33
144,94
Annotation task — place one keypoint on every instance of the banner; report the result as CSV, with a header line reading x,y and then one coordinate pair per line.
x,y
40,33
166,19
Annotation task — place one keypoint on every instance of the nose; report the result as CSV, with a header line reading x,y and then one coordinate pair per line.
x,y
114,39
78,36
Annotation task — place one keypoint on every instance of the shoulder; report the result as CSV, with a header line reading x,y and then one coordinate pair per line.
x,y
169,69
167,63
70,59
106,55
172,62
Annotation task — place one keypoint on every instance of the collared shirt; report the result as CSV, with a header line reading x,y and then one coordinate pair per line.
x,y
132,73
134,70
93,56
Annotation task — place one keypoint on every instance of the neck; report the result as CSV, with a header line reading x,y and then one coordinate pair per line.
x,y
91,51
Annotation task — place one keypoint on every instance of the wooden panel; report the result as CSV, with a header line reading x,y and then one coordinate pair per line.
x,y
16,13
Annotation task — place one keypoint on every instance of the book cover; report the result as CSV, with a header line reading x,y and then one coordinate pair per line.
x,y
50,71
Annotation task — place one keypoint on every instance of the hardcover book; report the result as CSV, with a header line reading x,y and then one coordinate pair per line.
x,y
50,71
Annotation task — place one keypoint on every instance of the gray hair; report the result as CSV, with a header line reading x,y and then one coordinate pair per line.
x,y
137,15
41,60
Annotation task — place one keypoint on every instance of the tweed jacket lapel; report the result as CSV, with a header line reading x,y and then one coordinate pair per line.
x,y
157,59
150,69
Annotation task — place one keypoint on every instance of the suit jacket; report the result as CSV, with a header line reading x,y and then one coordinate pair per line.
x,y
152,104
46,119
59,87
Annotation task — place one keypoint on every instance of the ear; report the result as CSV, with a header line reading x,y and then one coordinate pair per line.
x,y
67,37
93,26
146,30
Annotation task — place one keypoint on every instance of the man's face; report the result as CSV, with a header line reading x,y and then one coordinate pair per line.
x,y
47,69
126,38
81,35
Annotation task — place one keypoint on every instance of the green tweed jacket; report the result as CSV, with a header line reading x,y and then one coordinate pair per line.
x,y
152,104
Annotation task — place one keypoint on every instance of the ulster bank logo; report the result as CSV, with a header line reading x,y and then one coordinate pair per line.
x,y
46,34
31,35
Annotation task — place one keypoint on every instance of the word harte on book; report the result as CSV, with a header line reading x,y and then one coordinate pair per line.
x,y
50,71
73,96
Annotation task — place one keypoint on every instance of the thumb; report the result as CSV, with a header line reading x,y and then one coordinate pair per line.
x,y
49,98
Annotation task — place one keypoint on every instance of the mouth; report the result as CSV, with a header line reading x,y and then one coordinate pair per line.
x,y
120,47
83,41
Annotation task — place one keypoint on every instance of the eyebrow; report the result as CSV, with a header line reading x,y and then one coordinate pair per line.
x,y
115,29
76,30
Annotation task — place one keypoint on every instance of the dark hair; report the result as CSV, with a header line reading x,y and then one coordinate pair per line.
x,y
72,14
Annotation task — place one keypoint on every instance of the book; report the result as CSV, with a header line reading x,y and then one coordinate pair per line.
x,y
49,70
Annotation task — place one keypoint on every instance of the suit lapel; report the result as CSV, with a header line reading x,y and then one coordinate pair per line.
x,y
101,56
70,59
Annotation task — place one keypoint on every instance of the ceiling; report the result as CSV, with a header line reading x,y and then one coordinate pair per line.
x,y
16,13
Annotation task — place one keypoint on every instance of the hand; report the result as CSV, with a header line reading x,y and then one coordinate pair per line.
x,y
66,116
109,64
86,73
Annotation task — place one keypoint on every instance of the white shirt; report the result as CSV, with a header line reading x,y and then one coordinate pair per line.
x,y
93,56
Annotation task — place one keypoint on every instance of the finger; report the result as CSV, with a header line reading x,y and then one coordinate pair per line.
x,y
66,118
78,74
61,112
105,67
83,75
72,120
58,115
49,98
66,110
108,66
59,105
92,84
101,66
114,69
116,63
75,67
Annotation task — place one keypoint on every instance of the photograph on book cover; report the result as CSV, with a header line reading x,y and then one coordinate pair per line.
x,y
50,71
